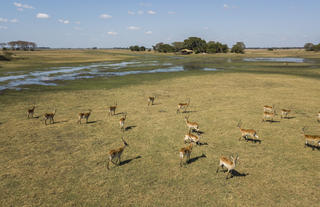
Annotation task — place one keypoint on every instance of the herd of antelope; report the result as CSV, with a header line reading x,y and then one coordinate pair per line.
x,y
193,135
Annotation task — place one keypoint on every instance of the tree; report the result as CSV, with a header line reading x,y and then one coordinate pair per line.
x,y
217,47
196,44
309,46
142,48
178,46
161,47
238,48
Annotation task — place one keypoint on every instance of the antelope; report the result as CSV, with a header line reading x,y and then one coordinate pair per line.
x,y
245,133
49,116
191,125
151,100
31,111
318,117
185,152
229,164
122,120
284,113
268,116
112,109
183,106
191,138
267,108
116,154
84,116
315,139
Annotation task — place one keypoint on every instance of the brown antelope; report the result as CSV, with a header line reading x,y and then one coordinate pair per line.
x,y
122,120
151,100
84,115
183,106
112,109
191,138
267,108
49,116
245,133
229,164
284,113
31,111
191,125
185,152
268,116
318,117
115,154
315,139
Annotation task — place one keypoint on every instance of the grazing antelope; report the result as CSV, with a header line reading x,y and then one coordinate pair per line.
x,y
122,120
191,138
229,164
245,133
284,113
112,109
185,152
183,106
31,111
49,116
84,116
115,154
315,139
191,125
267,108
268,116
318,117
151,100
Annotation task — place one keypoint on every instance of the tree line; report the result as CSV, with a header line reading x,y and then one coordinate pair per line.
x,y
311,47
18,45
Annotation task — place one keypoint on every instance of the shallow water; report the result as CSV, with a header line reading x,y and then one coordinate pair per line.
x,y
290,60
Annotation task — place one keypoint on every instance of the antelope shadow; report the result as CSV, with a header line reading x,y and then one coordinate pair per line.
x,y
188,112
289,117
196,158
129,128
271,121
202,143
199,132
129,160
91,122
312,146
58,122
119,113
235,173
252,140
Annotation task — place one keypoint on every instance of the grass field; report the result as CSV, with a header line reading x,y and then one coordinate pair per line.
x,y
64,164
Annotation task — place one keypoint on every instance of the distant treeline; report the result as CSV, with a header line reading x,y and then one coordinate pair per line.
x,y
195,45
311,47
18,45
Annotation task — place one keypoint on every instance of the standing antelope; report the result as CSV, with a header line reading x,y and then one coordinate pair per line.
x,y
284,113
229,164
245,133
84,115
31,111
121,122
191,138
185,152
191,125
183,106
49,116
267,108
112,109
315,139
268,116
116,154
318,117
151,100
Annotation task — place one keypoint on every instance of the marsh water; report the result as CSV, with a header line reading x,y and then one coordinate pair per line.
x,y
54,75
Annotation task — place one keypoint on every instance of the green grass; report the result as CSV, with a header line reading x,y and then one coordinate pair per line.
x,y
64,164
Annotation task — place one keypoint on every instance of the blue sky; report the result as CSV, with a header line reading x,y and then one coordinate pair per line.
x,y
121,23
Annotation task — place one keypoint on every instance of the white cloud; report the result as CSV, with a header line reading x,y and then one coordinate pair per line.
x,y
151,12
77,22
22,6
140,12
112,33
63,21
42,16
77,28
171,12
226,6
3,20
148,32
133,28
206,28
145,4
131,13
14,20
3,27
105,16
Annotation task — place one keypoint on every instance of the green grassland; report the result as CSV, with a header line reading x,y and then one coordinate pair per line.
x,y
64,164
